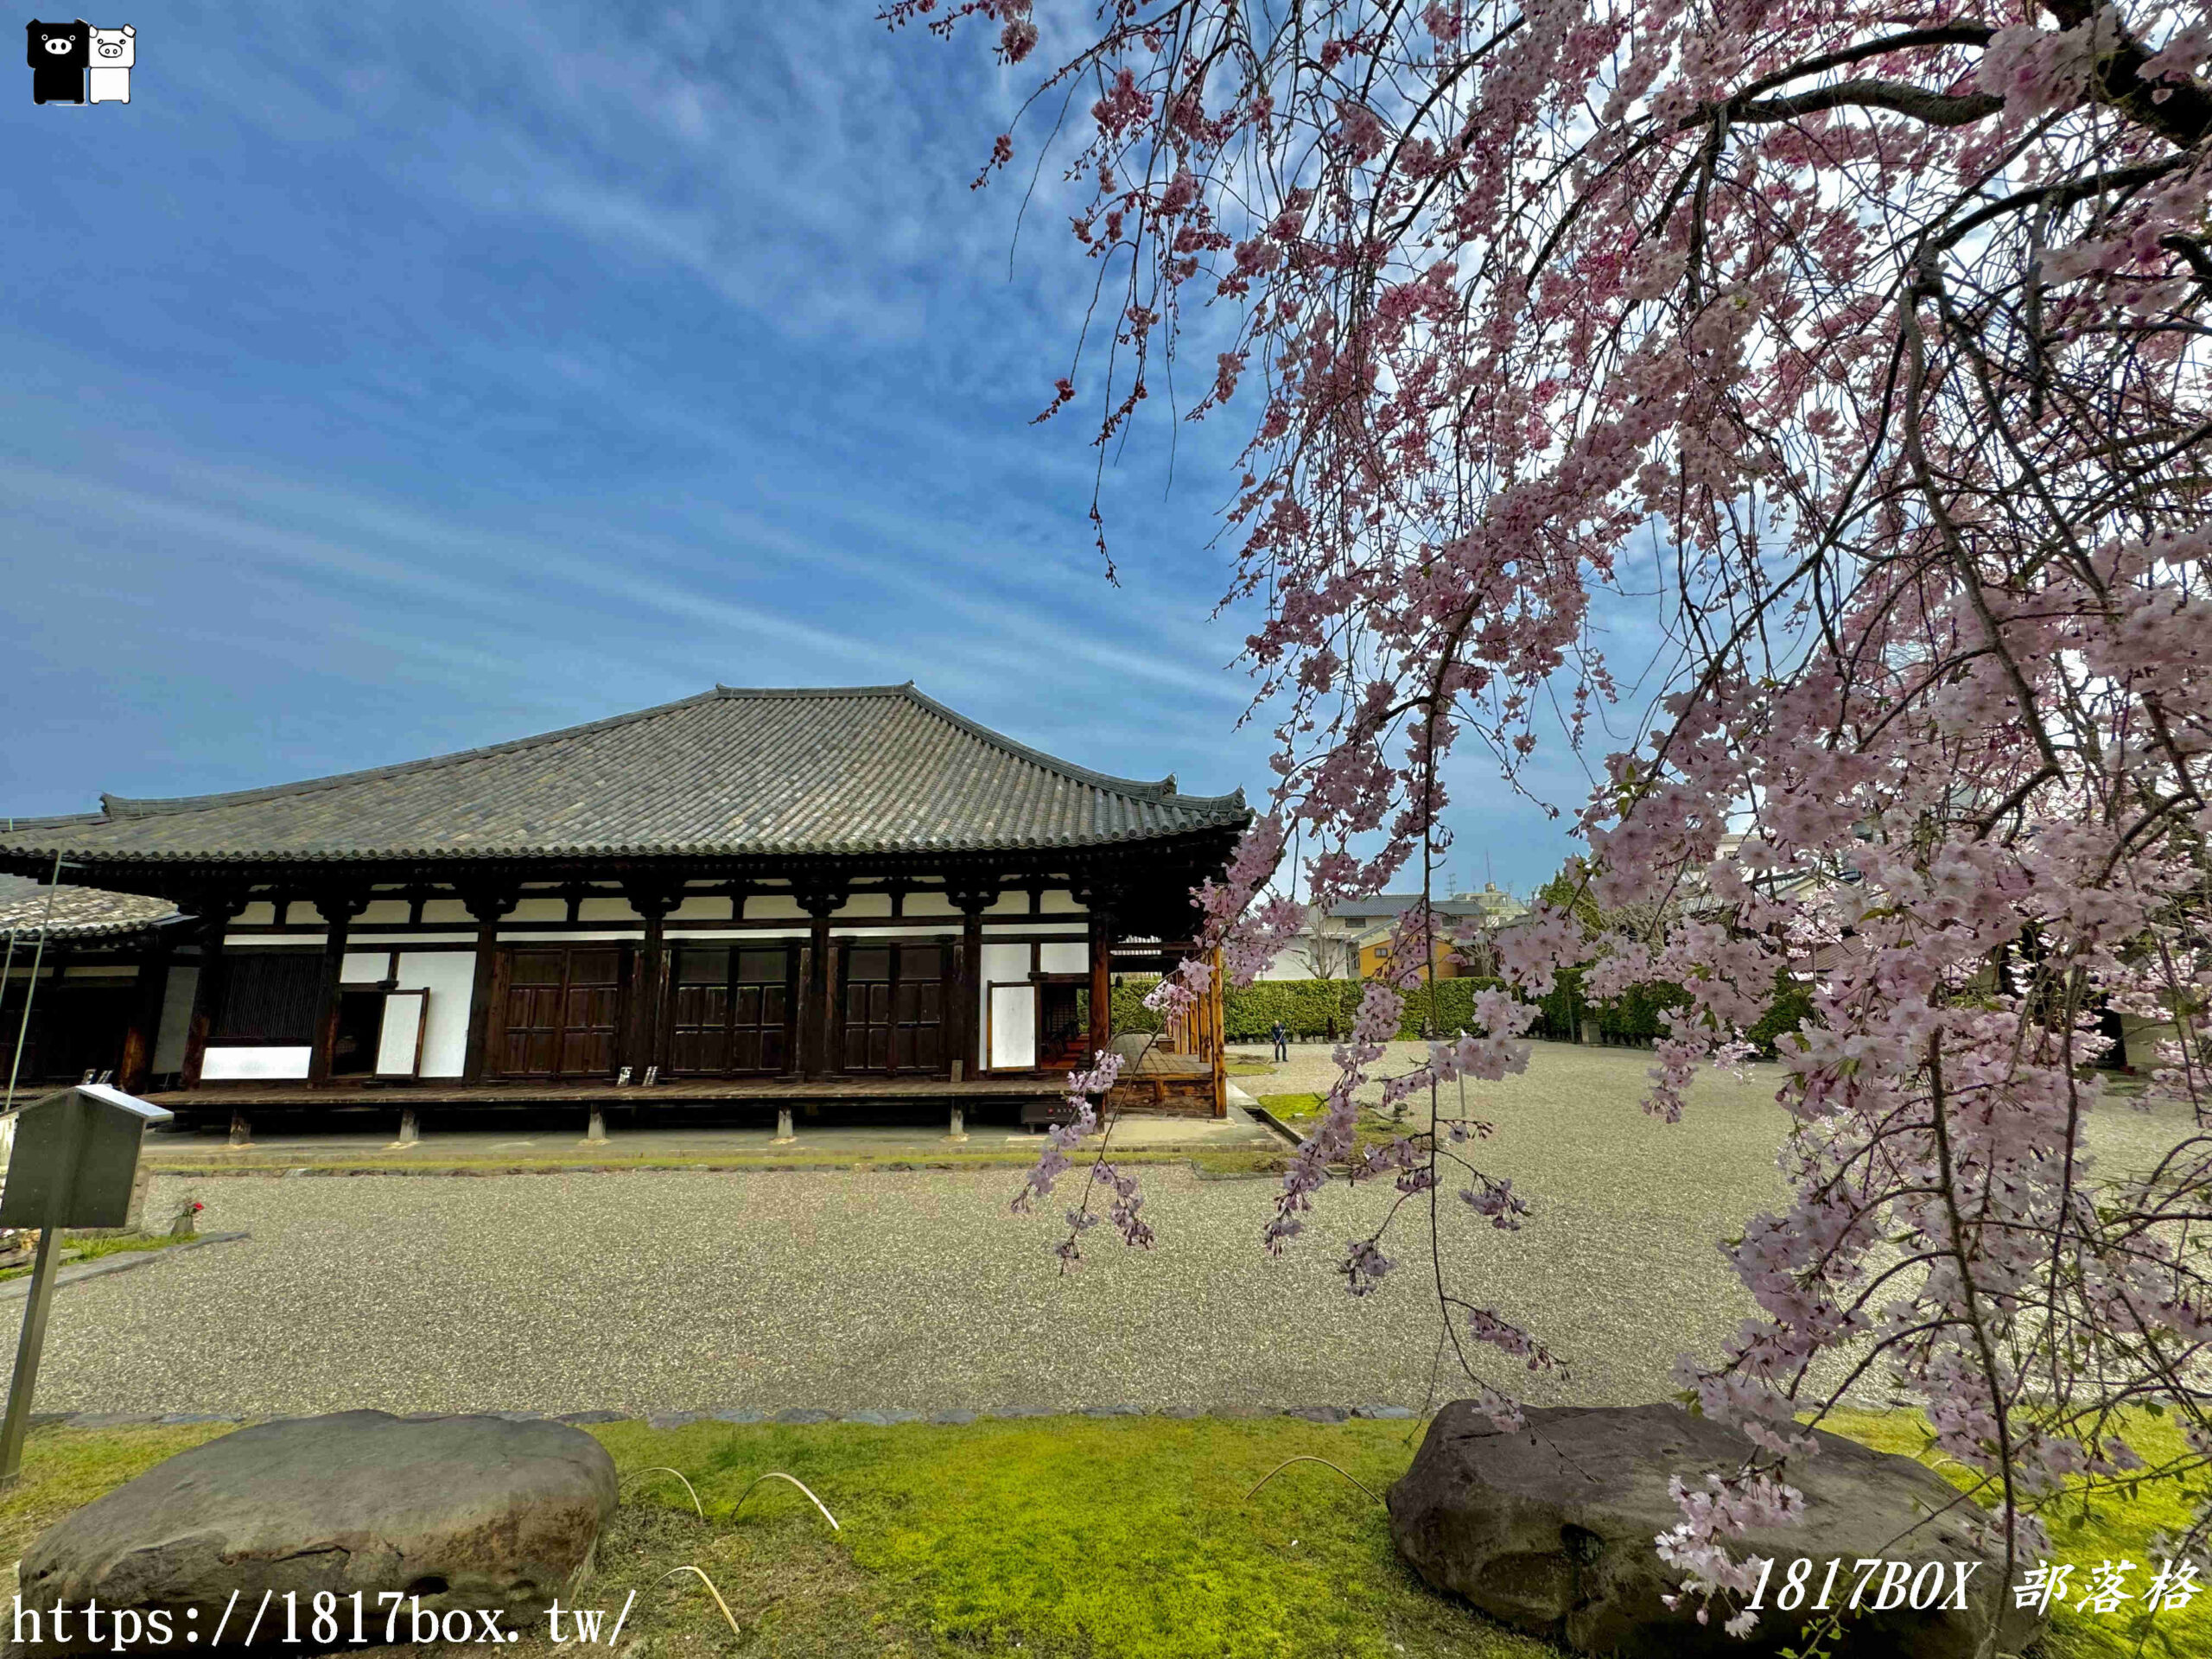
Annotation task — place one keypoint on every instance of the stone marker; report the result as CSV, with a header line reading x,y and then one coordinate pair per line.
x,y
1550,1529
466,1513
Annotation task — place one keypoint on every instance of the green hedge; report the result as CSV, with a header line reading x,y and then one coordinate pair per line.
x,y
1325,1009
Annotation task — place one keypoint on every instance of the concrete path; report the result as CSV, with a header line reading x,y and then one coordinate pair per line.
x,y
549,1134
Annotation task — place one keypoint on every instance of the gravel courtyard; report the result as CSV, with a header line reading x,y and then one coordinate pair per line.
x,y
643,1291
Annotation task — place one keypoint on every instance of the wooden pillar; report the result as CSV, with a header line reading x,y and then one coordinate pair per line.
x,y
338,911
136,1064
214,915
815,1011
486,905
968,1047
1102,982
642,1037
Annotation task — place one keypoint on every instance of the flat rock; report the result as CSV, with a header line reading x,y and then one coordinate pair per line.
x,y
1318,1413
805,1415
468,1513
1550,1529
954,1415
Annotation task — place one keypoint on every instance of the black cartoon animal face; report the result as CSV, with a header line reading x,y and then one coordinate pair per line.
x,y
59,45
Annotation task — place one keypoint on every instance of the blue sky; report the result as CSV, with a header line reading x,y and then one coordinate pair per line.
x,y
383,381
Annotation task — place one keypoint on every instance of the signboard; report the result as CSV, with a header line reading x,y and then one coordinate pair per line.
x,y
75,1158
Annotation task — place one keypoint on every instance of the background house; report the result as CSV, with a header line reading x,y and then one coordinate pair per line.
x,y
1352,941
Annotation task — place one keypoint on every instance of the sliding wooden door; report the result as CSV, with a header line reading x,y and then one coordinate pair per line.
x,y
561,1008
730,1010
894,1008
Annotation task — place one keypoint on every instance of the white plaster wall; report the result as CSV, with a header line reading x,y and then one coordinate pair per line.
x,y
597,935
1059,901
364,967
447,911
366,939
930,904
383,912
605,910
1002,962
571,937
255,1065
1013,1025
863,904
449,977
1063,958
177,1016
302,914
1010,904
772,907
539,910
1079,929
257,914
730,936
701,907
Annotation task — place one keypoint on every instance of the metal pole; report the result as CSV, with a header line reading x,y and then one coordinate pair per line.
x,y
23,1029
32,1342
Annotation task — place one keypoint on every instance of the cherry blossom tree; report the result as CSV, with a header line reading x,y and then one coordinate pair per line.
x,y
1863,346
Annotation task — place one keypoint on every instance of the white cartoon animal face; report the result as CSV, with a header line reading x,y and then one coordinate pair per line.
x,y
114,49
57,45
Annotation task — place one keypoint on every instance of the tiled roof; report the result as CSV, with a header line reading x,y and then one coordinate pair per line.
x,y
853,770
76,912
1392,905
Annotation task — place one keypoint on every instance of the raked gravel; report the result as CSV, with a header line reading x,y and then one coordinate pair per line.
x,y
845,1290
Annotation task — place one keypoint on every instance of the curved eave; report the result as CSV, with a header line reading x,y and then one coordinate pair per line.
x,y
617,849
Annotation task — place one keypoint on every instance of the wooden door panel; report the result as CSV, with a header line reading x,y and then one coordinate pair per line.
x,y
730,1012
563,1009
894,1008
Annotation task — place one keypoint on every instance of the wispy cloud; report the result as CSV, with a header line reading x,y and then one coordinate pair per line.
x,y
378,389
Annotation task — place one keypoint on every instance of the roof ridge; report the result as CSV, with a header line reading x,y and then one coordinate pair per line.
x,y
607,783
120,806
1163,789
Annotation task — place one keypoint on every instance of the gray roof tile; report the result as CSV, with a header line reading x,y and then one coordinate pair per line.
x,y
850,771
76,912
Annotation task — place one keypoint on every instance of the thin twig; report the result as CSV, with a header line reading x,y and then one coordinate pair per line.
x,y
1286,1464
716,1594
777,1474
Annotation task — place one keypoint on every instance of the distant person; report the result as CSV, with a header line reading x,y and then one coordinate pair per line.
x,y
1282,1035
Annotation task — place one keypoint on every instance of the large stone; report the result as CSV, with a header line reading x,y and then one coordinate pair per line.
x,y
465,1513
1551,1529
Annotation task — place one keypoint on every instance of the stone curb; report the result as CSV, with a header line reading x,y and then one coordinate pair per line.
x,y
15,1290
870,1418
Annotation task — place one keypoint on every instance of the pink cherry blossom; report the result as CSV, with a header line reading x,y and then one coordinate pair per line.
x,y
1858,354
